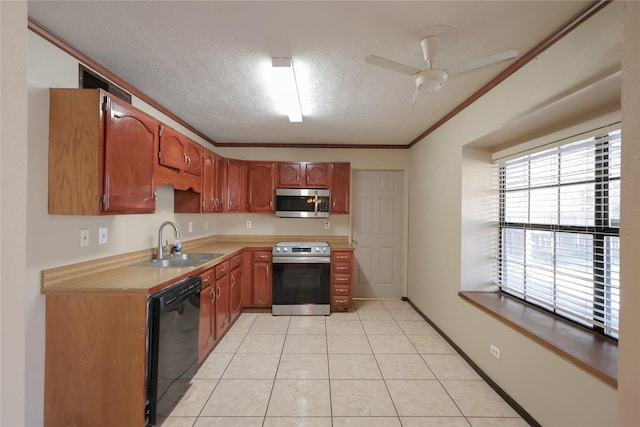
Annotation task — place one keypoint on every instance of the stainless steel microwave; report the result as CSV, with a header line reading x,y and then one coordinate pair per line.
x,y
302,202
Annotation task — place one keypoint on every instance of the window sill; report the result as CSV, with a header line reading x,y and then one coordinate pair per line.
x,y
591,352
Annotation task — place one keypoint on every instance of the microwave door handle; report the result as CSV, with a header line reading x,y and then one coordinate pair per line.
x,y
315,205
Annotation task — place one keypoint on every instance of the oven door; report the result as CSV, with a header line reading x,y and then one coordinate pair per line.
x,y
301,288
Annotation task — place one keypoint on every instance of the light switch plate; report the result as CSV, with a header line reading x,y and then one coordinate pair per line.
x,y
84,237
102,236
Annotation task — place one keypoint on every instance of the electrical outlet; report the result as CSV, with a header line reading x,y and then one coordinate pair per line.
x,y
102,236
190,227
206,225
248,224
495,351
326,224
84,237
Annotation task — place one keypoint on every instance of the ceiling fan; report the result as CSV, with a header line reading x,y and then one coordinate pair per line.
x,y
428,42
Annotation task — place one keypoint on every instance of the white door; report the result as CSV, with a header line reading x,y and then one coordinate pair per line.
x,y
377,230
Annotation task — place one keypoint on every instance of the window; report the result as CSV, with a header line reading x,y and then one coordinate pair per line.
x,y
559,230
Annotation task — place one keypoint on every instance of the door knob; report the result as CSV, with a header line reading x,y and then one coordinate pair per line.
x,y
355,241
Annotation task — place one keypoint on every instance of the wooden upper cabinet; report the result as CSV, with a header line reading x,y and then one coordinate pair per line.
x,y
208,195
340,186
236,186
303,174
220,184
179,152
290,174
316,175
101,155
260,187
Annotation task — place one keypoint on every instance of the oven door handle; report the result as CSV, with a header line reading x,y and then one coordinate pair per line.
x,y
315,205
301,260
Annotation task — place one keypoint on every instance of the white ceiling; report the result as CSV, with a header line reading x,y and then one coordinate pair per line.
x,y
204,61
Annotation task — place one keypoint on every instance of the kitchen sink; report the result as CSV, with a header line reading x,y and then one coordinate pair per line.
x,y
182,260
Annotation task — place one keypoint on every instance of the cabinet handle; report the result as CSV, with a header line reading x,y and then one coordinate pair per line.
x,y
188,160
267,271
233,280
213,295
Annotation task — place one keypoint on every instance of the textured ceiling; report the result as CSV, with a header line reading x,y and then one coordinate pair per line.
x,y
205,61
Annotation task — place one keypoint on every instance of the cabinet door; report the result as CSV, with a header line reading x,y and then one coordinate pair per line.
x,y
340,184
260,187
235,297
262,284
220,184
131,141
206,332
316,175
290,174
208,195
222,306
172,148
236,186
193,158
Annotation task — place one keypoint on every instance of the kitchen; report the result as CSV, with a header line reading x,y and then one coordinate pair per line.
x,y
48,243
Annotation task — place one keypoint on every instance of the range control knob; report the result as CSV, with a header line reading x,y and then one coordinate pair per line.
x,y
324,249
317,249
277,249
285,249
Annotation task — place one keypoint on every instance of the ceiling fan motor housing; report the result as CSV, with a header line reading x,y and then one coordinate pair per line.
x,y
431,80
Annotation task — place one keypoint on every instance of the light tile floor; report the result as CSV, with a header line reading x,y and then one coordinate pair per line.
x,y
379,365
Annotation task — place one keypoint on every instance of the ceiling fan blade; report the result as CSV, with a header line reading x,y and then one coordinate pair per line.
x,y
416,93
465,67
391,65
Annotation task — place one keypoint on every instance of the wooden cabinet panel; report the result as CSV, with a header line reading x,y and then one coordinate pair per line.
x,y
260,186
206,334
208,195
220,184
340,187
131,143
290,174
96,374
222,306
179,162
303,174
261,277
236,285
316,175
99,155
193,157
341,279
236,185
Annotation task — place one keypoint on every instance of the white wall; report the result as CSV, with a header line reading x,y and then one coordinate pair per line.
x,y
444,187
13,188
53,240
628,366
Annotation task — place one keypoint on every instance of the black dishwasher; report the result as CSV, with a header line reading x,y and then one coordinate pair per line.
x,y
173,317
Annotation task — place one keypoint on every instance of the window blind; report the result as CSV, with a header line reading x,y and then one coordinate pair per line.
x,y
559,230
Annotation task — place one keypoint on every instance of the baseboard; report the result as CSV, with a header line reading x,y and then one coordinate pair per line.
x,y
516,407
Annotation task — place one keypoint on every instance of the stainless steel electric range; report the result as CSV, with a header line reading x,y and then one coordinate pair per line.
x,y
301,277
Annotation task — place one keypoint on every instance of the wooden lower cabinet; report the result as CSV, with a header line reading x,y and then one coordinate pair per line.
x,y
206,340
236,285
223,319
95,360
257,289
341,279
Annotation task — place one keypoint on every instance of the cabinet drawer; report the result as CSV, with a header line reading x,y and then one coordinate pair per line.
x,y
340,302
236,261
222,269
262,256
341,268
342,257
341,279
208,277
340,290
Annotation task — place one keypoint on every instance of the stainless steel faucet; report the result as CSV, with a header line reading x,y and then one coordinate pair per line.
x,y
162,248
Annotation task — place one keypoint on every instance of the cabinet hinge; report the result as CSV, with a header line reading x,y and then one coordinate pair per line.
x,y
105,201
159,154
105,105
160,131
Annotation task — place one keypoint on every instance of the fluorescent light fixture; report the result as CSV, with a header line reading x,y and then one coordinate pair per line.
x,y
284,80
